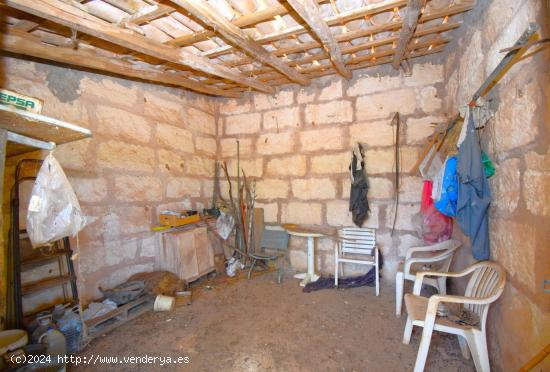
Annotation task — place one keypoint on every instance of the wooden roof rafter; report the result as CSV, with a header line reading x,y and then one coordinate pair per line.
x,y
373,30
344,17
310,13
355,48
77,19
414,7
247,20
233,46
209,16
29,45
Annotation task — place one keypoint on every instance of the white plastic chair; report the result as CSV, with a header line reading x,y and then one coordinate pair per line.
x,y
423,255
358,246
484,287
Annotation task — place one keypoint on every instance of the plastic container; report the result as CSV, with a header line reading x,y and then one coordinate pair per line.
x,y
44,325
58,312
70,325
164,303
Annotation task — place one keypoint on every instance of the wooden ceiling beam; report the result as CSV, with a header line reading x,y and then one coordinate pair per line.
x,y
74,18
128,6
363,46
150,13
310,13
247,20
388,60
234,35
366,64
342,18
359,59
379,42
26,44
26,25
367,31
407,30
422,45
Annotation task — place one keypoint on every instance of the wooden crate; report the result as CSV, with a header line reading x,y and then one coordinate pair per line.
x,y
188,254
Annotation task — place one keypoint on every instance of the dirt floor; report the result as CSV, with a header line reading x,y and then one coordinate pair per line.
x,y
258,325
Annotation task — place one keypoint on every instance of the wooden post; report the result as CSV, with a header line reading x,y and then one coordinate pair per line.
x,y
3,140
409,26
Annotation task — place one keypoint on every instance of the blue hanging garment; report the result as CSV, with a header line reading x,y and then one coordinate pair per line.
x,y
449,189
474,195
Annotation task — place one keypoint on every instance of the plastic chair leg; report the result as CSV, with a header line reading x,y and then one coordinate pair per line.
x,y
424,346
408,331
478,348
463,347
399,283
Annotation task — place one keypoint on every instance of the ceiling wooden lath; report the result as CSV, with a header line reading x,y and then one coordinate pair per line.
x,y
225,47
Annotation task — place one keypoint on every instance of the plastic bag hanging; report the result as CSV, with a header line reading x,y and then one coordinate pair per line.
x,y
54,211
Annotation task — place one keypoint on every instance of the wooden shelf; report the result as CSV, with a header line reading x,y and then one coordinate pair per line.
x,y
39,127
43,284
36,260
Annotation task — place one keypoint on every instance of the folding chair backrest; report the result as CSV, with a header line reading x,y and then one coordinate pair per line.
x,y
487,281
274,239
358,240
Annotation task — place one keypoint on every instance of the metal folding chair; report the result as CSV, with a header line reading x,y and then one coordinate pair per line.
x,y
273,247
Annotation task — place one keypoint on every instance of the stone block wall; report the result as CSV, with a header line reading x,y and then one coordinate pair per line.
x,y
152,148
517,139
297,145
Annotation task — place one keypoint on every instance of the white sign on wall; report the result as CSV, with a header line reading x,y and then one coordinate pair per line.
x,y
7,97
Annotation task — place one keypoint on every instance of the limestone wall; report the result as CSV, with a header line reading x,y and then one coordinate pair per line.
x,y
297,145
152,148
517,140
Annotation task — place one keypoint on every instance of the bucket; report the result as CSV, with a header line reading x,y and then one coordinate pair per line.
x,y
164,303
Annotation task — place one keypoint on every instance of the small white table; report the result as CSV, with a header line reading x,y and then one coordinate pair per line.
x,y
310,275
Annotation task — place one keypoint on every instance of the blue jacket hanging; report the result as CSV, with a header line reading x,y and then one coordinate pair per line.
x,y
474,195
449,189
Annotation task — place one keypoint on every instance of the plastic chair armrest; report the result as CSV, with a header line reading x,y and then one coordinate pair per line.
x,y
432,259
434,301
421,274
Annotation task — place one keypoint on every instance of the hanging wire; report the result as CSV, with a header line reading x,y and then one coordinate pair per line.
x,y
396,126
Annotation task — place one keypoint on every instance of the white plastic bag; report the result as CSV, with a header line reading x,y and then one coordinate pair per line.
x,y
233,265
225,224
54,211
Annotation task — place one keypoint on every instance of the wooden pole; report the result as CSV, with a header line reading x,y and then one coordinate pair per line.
x,y
506,63
3,140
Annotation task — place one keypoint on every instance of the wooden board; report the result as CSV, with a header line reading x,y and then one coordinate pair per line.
x,y
311,229
39,127
41,285
259,225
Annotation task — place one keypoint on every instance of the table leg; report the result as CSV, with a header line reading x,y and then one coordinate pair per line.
x,y
310,276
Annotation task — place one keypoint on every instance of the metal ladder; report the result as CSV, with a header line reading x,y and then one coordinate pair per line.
x,y
22,257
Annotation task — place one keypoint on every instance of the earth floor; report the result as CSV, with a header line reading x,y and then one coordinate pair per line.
x,y
259,325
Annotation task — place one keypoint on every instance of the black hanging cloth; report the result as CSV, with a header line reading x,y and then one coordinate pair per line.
x,y
358,203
